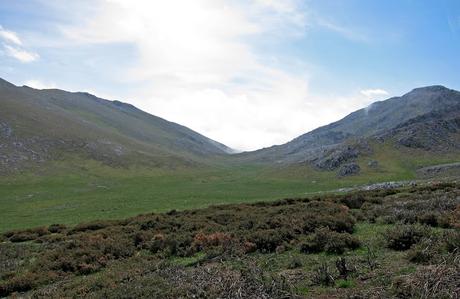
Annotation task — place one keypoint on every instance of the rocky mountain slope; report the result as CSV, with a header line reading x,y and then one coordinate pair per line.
x,y
41,125
426,118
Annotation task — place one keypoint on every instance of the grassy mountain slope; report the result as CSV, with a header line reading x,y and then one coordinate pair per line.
x,y
42,125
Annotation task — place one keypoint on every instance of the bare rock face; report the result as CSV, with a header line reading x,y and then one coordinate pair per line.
x,y
348,170
341,155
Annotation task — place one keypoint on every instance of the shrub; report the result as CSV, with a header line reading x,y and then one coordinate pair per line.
x,y
424,252
91,226
451,240
268,240
429,218
157,244
323,275
21,283
249,247
202,241
433,281
354,201
327,214
141,239
26,235
329,241
454,218
402,237
56,228
294,263
344,268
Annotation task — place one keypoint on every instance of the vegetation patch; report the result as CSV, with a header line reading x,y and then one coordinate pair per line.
x,y
354,245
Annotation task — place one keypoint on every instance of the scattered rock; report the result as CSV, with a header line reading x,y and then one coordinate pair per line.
x,y
451,169
373,164
349,169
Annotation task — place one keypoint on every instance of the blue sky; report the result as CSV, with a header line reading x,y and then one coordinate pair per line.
x,y
247,73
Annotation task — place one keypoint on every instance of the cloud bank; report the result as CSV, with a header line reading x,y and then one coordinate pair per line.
x,y
205,64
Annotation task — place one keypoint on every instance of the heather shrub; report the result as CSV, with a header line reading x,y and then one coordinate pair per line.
x,y
354,201
323,275
92,226
26,235
451,240
454,218
20,283
268,240
56,228
329,241
203,241
402,237
425,251
429,218
440,280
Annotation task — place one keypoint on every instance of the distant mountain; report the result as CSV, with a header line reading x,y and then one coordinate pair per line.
x,y
425,118
48,125
40,125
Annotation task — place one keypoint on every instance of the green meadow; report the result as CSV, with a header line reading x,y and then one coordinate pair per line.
x,y
77,190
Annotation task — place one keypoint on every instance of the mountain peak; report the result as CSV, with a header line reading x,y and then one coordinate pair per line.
x,y
431,89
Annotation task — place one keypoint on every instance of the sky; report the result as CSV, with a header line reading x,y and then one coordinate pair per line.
x,y
247,73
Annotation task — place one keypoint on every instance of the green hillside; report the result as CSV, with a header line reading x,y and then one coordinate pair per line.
x,y
71,157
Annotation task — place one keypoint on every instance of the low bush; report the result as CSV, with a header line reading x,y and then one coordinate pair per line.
x,y
429,218
294,263
454,218
354,201
451,240
26,235
433,281
323,275
56,228
92,226
268,240
24,282
402,237
203,241
425,251
329,241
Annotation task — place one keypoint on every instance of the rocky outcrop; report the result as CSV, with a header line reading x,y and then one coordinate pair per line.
x,y
348,170
451,169
341,155
432,132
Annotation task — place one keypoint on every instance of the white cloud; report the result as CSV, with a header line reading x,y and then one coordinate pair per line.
x,y
9,36
348,33
37,84
200,66
20,54
374,92
12,46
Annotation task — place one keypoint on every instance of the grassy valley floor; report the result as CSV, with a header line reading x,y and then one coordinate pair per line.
x,y
76,190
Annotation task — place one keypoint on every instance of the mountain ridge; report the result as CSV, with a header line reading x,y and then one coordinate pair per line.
x,y
41,123
36,124
367,122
